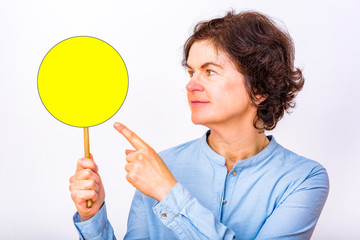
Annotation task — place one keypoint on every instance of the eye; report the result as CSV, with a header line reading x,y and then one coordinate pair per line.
x,y
191,73
210,72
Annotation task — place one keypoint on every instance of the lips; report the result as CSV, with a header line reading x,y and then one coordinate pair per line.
x,y
198,102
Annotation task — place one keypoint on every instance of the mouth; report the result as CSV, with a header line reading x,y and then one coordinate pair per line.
x,y
198,102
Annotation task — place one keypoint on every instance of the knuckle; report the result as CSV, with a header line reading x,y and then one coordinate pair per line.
x,y
87,172
127,167
79,200
135,168
71,179
92,183
96,196
81,162
97,188
92,164
73,195
97,178
130,177
93,193
134,177
90,194
81,197
132,134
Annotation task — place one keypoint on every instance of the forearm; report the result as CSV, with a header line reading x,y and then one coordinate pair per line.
x,y
187,218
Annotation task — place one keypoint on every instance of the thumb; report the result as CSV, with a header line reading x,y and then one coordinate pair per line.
x,y
127,151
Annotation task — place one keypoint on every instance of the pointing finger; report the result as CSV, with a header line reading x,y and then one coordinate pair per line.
x,y
133,139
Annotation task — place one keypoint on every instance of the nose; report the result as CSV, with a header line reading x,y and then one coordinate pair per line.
x,y
194,85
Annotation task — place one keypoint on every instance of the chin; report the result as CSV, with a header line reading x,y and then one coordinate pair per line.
x,y
200,120
196,119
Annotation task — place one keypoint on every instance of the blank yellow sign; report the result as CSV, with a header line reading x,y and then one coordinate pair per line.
x,y
82,81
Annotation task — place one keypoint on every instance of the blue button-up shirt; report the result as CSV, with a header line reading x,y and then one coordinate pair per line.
x,y
275,194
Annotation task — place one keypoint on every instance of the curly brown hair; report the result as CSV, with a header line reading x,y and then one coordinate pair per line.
x,y
263,53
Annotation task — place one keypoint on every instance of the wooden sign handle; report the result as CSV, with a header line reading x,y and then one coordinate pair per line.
x,y
87,155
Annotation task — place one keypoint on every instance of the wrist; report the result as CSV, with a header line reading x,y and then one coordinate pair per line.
x,y
91,213
165,190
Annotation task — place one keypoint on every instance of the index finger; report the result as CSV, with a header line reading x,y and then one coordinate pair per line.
x,y
135,141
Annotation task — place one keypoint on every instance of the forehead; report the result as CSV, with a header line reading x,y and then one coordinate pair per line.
x,y
204,51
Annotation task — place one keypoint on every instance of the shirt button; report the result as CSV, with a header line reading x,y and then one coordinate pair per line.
x,y
224,202
234,173
164,215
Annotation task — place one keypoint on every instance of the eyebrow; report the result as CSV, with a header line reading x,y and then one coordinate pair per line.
x,y
206,65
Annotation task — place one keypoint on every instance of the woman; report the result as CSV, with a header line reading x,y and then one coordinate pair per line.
x,y
234,182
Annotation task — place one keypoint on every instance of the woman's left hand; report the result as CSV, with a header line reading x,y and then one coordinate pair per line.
x,y
146,171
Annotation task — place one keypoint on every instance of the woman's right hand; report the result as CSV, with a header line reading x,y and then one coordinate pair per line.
x,y
86,184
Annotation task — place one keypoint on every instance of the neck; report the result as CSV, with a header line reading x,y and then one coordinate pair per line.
x,y
236,143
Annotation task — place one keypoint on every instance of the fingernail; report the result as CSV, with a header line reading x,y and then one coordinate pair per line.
x,y
116,124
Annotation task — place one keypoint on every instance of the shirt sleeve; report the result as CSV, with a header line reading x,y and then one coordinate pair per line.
x,y
187,218
96,228
296,216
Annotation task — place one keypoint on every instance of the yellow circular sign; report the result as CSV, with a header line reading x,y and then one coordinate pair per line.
x,y
82,81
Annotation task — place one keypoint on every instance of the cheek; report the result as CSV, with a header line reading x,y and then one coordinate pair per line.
x,y
235,98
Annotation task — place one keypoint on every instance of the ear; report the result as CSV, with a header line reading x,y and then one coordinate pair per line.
x,y
260,99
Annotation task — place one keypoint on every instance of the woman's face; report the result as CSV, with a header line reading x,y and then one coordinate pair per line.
x,y
216,90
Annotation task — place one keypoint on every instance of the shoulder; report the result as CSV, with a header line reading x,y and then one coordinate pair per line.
x,y
287,158
286,173
294,166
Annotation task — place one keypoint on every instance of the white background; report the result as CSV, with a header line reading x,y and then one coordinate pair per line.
x,y
38,154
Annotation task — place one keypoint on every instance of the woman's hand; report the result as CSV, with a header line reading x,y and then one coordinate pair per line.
x,y
86,184
146,171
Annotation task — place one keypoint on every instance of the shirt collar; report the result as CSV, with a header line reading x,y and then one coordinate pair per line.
x,y
209,152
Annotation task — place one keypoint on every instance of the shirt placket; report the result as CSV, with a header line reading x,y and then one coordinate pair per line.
x,y
220,179
230,182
